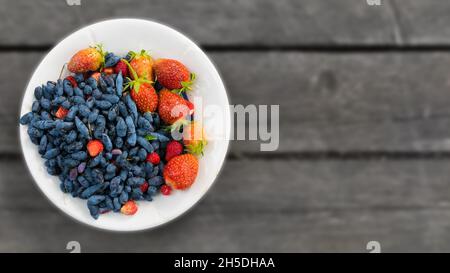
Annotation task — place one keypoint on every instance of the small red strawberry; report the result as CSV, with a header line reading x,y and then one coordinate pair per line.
x,y
129,208
96,75
121,66
173,149
194,138
173,75
142,63
72,81
94,147
181,171
153,158
142,92
145,97
61,113
144,187
88,59
165,189
108,70
172,106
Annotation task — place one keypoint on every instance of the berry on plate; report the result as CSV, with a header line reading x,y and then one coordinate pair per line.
x,y
173,149
88,59
61,113
94,147
72,81
180,172
173,75
166,190
153,158
108,71
142,63
145,97
121,66
142,92
129,208
172,106
96,75
144,187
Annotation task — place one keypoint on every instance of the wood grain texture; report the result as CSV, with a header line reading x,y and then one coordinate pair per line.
x,y
419,22
227,22
394,102
242,22
285,206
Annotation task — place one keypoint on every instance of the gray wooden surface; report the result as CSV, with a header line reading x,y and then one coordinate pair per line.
x,y
364,95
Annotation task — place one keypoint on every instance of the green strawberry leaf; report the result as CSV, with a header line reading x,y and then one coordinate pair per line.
x,y
196,149
99,47
136,83
186,85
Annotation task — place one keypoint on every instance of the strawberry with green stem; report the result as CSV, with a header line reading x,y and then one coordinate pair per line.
x,y
142,63
172,107
194,138
141,91
173,75
88,59
186,85
181,171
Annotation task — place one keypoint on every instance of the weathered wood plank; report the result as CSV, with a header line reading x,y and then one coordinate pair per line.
x,y
346,231
228,22
285,206
421,22
328,102
243,22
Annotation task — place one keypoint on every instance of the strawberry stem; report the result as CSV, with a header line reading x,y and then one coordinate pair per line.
x,y
143,53
196,149
136,83
131,69
186,85
100,49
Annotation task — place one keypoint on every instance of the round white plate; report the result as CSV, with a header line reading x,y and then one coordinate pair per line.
x,y
120,36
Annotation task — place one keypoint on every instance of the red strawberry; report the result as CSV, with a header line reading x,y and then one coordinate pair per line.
x,y
171,107
181,171
142,92
72,81
108,70
173,75
96,75
145,97
61,113
88,59
153,158
129,208
121,66
94,147
144,187
142,63
194,138
165,189
173,149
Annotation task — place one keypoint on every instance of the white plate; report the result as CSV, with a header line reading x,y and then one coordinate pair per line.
x,y
120,36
